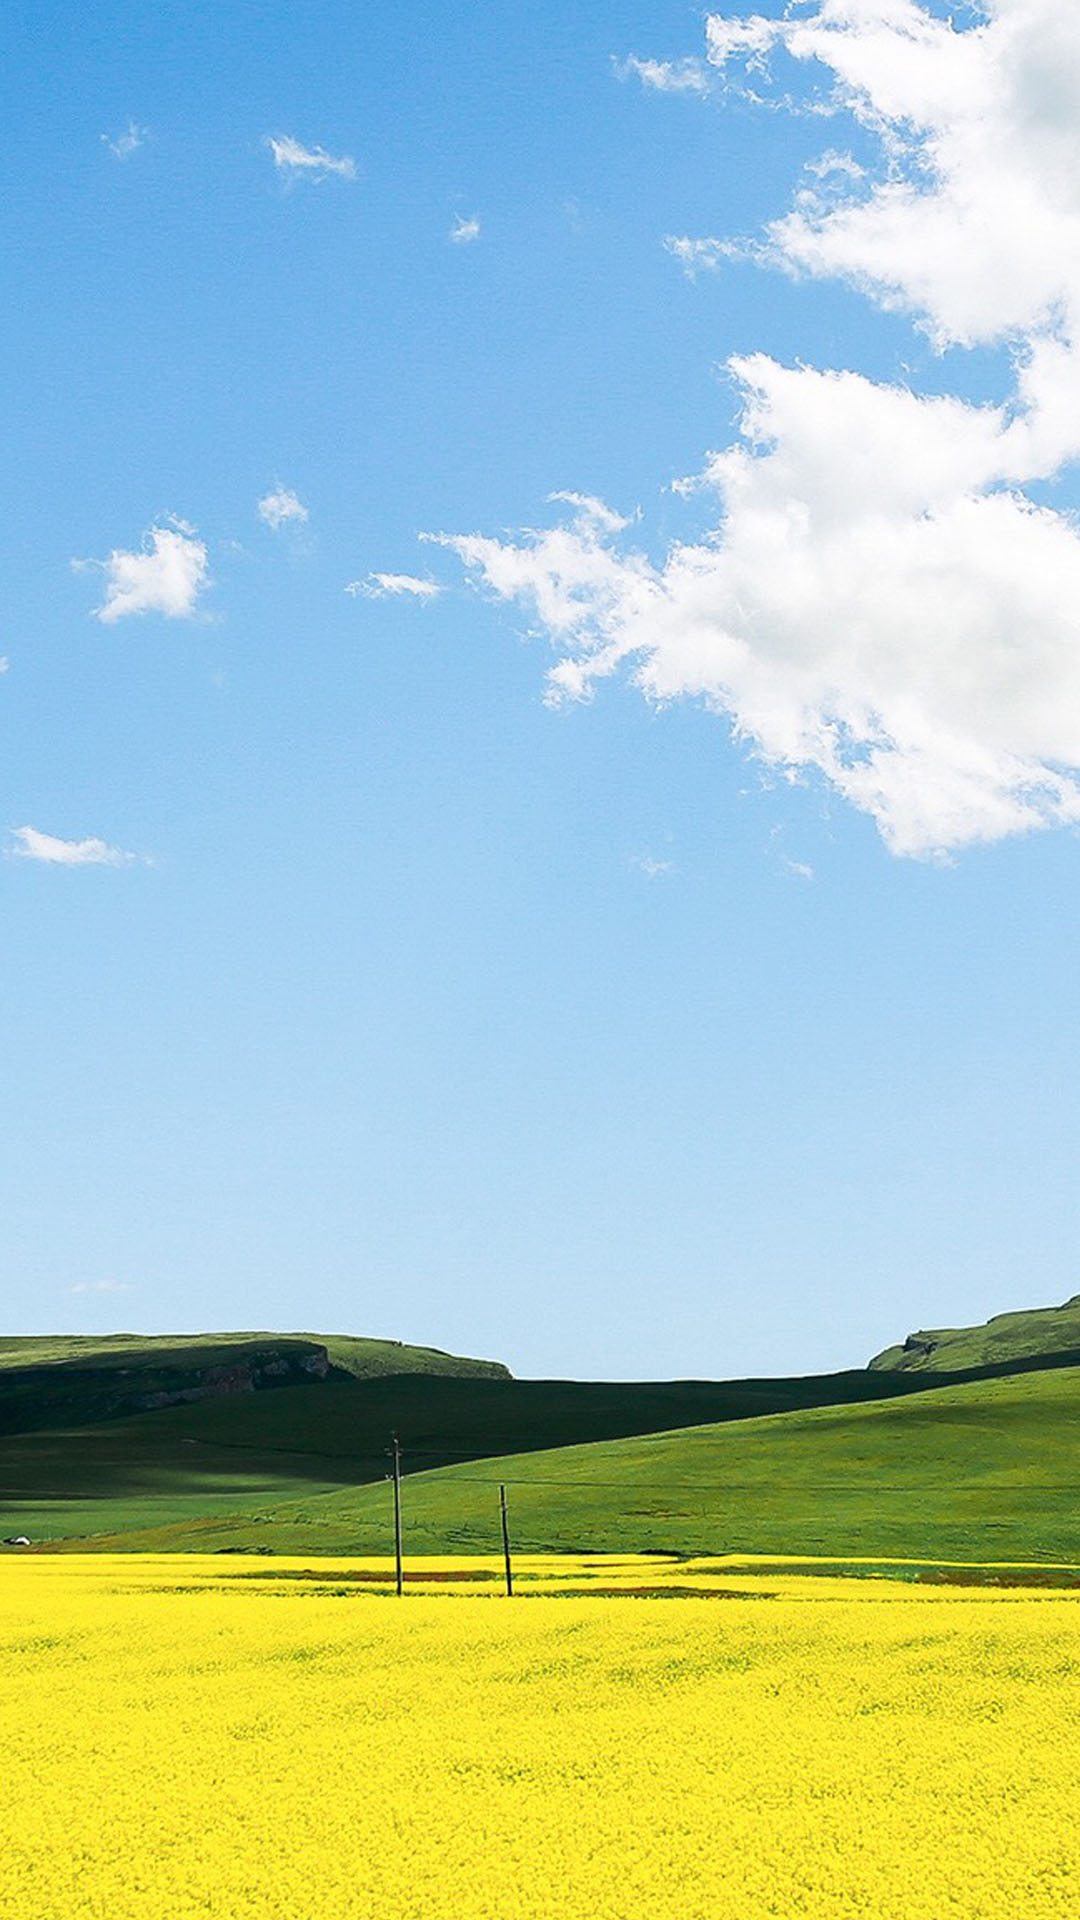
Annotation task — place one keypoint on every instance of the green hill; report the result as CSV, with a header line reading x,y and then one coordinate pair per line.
x,y
363,1357
1008,1337
374,1359
147,1443
986,1471
68,1381
179,1465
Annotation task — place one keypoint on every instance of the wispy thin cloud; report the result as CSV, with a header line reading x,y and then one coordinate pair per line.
x,y
281,506
123,145
652,868
664,76
166,576
297,162
695,256
834,164
463,231
28,843
382,586
593,511
101,1286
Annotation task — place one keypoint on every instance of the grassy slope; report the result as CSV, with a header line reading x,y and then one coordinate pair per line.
x,y
71,1382
181,1464
983,1471
364,1358
1007,1337
989,1470
369,1359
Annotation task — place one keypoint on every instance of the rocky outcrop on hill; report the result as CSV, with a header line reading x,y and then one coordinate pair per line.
x,y
70,1381
244,1376
74,1392
1050,1333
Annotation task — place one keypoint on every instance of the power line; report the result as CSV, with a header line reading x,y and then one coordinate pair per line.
x,y
756,1487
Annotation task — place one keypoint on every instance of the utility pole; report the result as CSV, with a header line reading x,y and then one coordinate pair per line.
x,y
506,1539
396,1456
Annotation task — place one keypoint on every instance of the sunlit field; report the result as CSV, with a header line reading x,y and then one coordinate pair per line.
x,y
187,1736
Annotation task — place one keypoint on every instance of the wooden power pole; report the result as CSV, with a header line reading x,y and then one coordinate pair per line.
x,y
399,1570
506,1539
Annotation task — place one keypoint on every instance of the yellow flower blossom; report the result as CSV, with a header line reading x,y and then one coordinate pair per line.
x,y
185,1737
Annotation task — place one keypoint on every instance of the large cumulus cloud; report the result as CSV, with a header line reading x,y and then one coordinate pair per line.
x,y
887,597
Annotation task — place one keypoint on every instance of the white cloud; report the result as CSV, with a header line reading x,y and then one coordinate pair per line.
x,y
166,577
100,1286
652,869
5,663
464,231
695,255
974,224
29,844
297,162
592,512
883,602
381,586
281,506
746,39
125,144
873,606
832,162
665,76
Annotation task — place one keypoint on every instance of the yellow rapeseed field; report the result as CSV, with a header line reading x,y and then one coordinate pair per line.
x,y
184,1737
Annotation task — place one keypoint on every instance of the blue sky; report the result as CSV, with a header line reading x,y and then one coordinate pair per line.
x,y
632,934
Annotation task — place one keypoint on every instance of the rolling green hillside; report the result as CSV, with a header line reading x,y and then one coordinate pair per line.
x,y
373,1359
1006,1338
70,1382
179,1464
988,1470
172,1443
985,1471
362,1357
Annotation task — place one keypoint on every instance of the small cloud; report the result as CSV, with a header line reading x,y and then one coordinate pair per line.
x,y
749,40
166,577
101,1286
664,76
652,869
128,142
833,164
5,663
297,162
281,506
381,586
29,844
799,868
592,511
464,231
695,256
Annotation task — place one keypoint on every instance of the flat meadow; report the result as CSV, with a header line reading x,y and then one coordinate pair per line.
x,y
188,1735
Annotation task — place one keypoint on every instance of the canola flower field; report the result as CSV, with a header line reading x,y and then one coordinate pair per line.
x,y
186,1736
